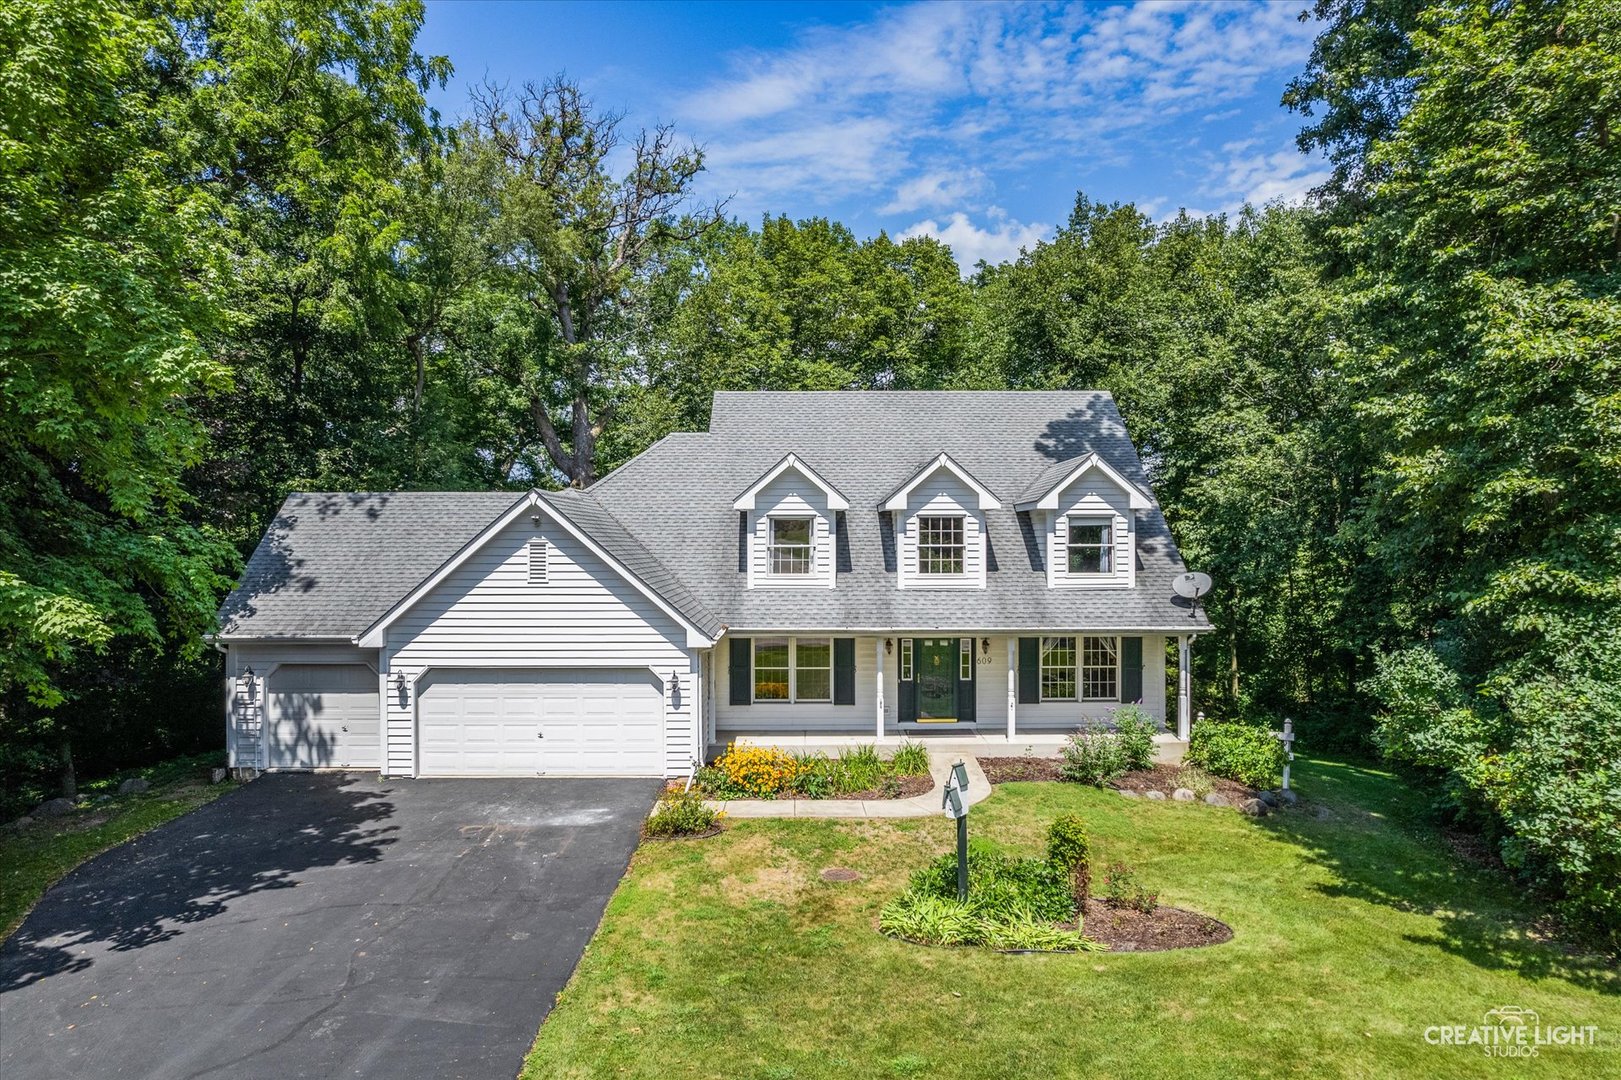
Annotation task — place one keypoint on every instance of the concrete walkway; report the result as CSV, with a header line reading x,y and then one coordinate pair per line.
x,y
918,806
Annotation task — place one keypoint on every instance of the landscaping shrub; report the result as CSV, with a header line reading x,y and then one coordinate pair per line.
x,y
682,813
859,769
1070,849
999,885
1121,889
1135,731
756,772
911,759
1239,752
923,917
1195,780
1092,756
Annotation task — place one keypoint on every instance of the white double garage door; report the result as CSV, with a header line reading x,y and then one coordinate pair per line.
x,y
507,722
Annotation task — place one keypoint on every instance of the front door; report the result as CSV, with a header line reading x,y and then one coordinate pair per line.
x,y
936,679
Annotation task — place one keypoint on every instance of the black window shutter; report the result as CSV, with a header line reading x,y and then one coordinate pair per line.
x,y
1131,669
908,690
742,650
965,687
844,671
1029,670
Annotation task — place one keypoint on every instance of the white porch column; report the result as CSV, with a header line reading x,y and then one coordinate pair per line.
x,y
878,698
700,714
1012,685
1184,687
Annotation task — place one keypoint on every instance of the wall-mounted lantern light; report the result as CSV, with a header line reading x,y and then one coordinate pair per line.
x,y
889,646
985,645
399,686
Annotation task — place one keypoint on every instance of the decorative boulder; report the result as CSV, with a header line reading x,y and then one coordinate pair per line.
x,y
133,786
21,823
1183,794
1130,794
1156,795
54,808
1289,798
1253,807
1216,798
217,776
1267,797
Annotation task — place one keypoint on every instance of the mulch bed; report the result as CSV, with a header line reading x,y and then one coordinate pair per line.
x,y
909,786
1007,770
1126,930
1164,778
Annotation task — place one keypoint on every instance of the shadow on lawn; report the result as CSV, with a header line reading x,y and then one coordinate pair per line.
x,y
189,870
1390,856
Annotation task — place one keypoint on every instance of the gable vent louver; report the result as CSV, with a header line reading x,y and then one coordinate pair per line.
x,y
538,550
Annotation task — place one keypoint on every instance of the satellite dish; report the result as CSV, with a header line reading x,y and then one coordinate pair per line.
x,y
1192,586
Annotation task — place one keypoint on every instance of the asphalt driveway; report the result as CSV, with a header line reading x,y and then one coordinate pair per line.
x,y
321,926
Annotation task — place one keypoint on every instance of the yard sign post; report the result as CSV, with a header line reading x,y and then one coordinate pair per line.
x,y
1287,736
955,804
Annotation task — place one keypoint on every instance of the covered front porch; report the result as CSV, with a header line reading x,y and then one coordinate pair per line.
x,y
989,694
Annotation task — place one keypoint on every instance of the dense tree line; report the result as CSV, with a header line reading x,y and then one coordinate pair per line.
x,y
239,255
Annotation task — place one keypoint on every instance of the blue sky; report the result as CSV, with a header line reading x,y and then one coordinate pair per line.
x,y
976,123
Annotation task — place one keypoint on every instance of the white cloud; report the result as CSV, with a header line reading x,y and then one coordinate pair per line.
x,y
1000,242
1286,176
867,109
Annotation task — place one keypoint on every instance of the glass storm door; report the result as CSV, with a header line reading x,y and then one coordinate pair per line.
x,y
937,679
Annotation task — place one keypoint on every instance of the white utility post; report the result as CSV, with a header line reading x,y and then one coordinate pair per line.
x,y
1184,687
878,644
1012,685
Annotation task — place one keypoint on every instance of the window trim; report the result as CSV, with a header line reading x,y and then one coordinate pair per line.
x,y
793,697
1080,667
906,659
1106,547
771,546
961,546
965,659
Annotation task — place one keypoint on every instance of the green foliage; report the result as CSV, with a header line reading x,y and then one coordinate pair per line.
x,y
1092,756
682,813
910,759
1070,849
1121,889
933,920
999,885
1135,730
1242,752
1195,780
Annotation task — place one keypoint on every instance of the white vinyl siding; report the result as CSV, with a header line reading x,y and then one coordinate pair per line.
x,y
791,496
815,717
247,708
486,614
940,495
1092,500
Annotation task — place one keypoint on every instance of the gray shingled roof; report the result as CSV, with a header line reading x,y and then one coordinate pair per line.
x,y
331,564
676,498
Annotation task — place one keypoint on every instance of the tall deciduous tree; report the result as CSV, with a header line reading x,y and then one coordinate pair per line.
x,y
577,242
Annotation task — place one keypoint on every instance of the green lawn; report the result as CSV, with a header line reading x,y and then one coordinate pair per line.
x,y
33,860
728,957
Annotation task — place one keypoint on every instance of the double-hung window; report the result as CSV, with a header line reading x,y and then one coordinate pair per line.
x,y
791,547
1080,669
1091,547
793,669
940,545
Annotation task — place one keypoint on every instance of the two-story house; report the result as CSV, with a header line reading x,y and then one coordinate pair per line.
x,y
836,565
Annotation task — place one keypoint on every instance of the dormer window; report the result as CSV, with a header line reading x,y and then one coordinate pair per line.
x,y
791,545
940,545
1091,544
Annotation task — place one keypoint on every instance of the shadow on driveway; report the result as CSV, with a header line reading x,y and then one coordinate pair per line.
x,y
321,925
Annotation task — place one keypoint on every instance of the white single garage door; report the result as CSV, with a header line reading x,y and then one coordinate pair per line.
x,y
322,716
568,722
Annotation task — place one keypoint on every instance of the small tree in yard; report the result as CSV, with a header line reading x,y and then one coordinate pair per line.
x,y
1069,848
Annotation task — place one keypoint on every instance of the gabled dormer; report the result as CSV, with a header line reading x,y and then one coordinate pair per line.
x,y
939,522
790,521
1085,514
